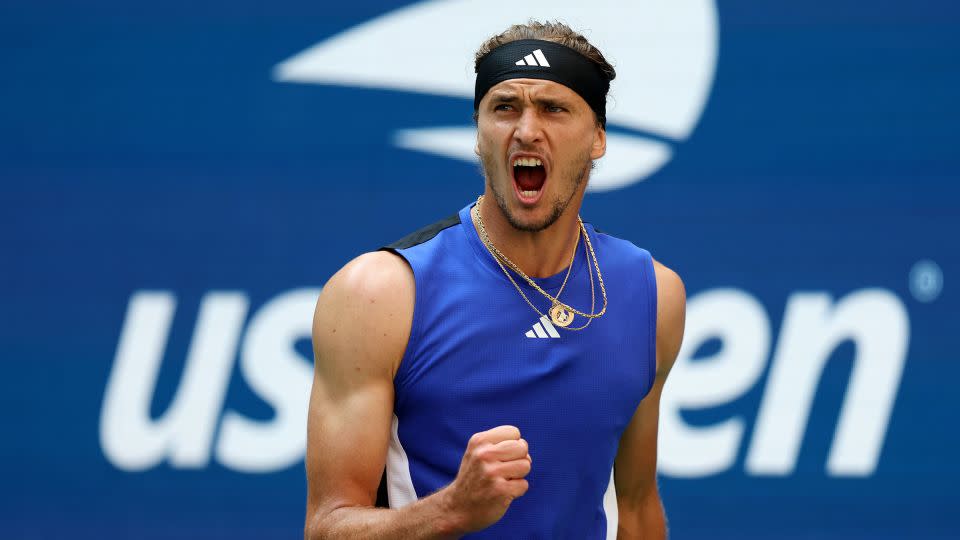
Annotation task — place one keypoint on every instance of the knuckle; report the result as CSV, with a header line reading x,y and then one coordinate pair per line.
x,y
475,439
482,453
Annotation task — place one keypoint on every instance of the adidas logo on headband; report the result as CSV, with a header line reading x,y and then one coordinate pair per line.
x,y
536,58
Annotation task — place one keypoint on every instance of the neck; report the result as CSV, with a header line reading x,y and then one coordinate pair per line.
x,y
538,254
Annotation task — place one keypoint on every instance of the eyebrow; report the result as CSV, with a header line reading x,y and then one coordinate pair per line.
x,y
503,97
551,102
508,97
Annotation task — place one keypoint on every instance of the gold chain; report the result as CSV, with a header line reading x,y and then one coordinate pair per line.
x,y
500,258
593,298
572,258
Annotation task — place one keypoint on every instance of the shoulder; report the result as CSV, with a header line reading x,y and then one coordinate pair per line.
x,y
671,314
671,293
366,309
371,276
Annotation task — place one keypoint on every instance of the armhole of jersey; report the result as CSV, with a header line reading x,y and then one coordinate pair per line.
x,y
413,340
650,290
652,294
398,248
383,495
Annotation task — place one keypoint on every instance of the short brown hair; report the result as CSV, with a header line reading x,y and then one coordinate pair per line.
x,y
554,31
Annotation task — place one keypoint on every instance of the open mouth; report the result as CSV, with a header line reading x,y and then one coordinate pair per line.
x,y
529,175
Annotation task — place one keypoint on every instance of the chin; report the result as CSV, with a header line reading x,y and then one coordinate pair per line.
x,y
533,219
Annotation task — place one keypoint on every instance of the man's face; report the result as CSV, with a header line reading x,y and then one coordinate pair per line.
x,y
524,122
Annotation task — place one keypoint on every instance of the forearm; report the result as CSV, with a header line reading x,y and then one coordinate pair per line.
x,y
426,519
642,518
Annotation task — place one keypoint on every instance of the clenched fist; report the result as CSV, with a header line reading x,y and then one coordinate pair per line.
x,y
491,476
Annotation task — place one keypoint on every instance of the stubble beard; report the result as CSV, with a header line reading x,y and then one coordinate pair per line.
x,y
558,206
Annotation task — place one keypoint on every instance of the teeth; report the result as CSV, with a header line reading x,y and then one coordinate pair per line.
x,y
529,193
527,162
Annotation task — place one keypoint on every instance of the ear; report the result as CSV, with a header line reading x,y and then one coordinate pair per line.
x,y
476,147
599,147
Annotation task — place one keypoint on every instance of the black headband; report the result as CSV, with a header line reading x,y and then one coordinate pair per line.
x,y
539,59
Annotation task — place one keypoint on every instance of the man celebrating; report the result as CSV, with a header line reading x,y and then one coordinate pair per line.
x,y
503,366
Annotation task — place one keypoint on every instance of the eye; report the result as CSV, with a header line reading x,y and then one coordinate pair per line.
x,y
555,108
503,107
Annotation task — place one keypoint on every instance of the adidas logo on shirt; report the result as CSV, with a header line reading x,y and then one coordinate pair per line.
x,y
543,329
536,58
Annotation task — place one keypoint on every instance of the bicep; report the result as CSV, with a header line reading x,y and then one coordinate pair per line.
x,y
347,434
635,467
360,330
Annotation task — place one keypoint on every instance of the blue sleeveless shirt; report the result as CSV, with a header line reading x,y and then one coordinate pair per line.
x,y
479,357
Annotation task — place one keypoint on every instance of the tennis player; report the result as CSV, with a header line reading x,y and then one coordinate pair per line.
x,y
500,372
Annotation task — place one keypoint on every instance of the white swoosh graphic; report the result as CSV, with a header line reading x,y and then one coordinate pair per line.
x,y
664,51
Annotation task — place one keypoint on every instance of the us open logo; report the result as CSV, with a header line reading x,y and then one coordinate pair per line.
x,y
665,53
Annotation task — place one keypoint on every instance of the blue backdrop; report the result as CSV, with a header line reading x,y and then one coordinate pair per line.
x,y
171,201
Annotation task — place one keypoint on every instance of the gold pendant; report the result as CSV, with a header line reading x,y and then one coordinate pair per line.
x,y
560,315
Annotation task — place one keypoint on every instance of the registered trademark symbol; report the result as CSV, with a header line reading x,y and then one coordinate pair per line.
x,y
926,281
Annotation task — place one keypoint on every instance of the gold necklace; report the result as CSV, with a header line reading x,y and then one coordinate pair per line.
x,y
564,319
560,313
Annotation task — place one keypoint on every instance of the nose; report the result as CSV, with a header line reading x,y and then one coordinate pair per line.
x,y
528,129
